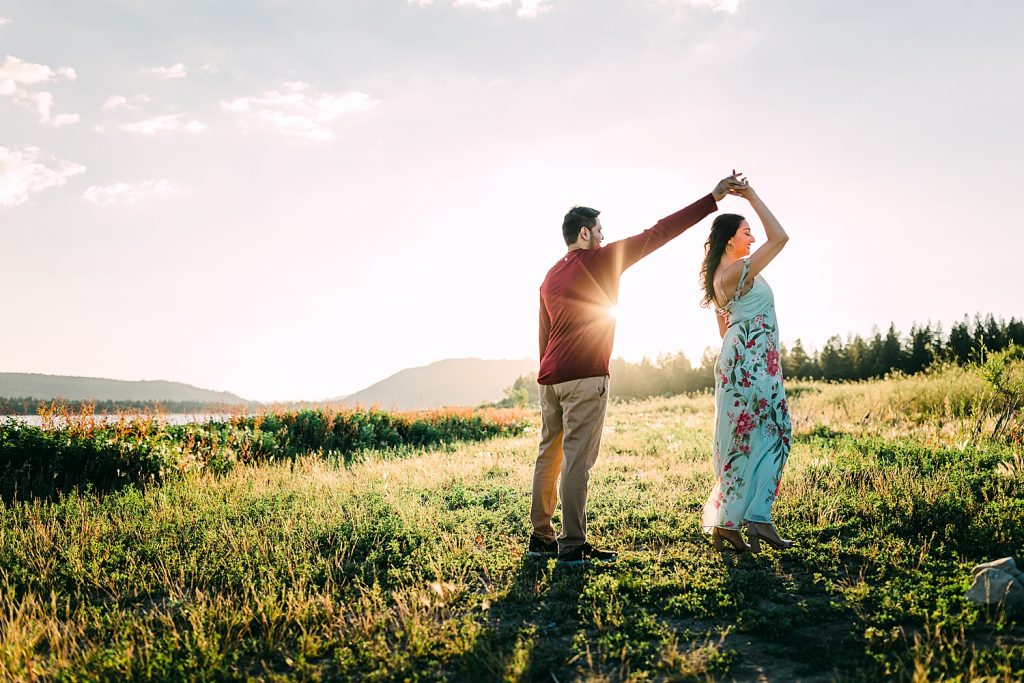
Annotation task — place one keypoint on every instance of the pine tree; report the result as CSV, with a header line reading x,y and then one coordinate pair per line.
x,y
876,354
835,364
995,339
796,363
892,350
1015,332
960,346
921,351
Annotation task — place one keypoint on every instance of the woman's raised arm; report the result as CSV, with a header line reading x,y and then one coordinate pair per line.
x,y
777,237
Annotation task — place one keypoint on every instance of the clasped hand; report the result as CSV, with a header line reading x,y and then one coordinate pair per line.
x,y
735,184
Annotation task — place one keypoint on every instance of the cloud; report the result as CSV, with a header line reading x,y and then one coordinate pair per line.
x,y
164,124
115,101
296,110
727,6
130,194
42,104
531,8
122,102
527,8
23,172
174,71
16,73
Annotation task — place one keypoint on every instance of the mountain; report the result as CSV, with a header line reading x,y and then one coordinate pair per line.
x,y
45,387
453,382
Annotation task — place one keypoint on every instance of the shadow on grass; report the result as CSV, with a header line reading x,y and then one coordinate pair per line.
x,y
785,624
528,633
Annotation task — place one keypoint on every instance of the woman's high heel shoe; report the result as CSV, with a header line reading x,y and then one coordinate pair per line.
x,y
757,532
735,539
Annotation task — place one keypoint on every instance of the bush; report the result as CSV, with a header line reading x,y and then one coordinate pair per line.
x,y
79,451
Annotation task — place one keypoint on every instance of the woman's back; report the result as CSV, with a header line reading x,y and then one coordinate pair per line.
x,y
753,298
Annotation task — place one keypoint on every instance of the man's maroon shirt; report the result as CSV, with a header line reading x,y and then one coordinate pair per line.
x,y
576,330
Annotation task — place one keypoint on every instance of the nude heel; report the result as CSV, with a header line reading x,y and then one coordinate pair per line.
x,y
756,537
753,540
734,538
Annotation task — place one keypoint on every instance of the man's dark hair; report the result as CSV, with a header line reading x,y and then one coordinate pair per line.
x,y
579,217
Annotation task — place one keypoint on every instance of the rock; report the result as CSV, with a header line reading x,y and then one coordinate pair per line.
x,y
1004,565
995,587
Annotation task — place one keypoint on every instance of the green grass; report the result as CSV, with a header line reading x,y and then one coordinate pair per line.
x,y
410,565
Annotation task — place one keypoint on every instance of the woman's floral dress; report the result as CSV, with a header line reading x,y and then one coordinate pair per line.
x,y
752,425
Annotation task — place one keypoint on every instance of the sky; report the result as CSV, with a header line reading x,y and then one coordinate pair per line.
x,y
294,200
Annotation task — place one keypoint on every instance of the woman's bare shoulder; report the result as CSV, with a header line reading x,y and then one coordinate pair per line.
x,y
732,272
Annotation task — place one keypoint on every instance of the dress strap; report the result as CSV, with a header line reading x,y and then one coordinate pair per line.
x,y
743,279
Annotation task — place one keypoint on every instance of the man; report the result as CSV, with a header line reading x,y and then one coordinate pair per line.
x,y
576,334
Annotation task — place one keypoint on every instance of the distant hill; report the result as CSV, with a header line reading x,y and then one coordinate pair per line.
x,y
46,387
453,382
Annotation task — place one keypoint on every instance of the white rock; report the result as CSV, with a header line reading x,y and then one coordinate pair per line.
x,y
995,587
1004,565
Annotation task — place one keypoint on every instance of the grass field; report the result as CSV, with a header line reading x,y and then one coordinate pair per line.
x,y
411,566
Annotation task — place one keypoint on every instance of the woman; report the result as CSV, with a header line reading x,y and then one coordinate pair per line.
x,y
752,425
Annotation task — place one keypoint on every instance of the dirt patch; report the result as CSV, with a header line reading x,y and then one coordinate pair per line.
x,y
810,654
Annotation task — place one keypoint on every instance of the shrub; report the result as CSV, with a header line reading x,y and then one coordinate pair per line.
x,y
72,451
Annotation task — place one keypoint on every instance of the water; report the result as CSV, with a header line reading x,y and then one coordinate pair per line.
x,y
172,418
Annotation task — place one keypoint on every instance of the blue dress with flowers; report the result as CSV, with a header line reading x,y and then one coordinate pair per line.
x,y
752,425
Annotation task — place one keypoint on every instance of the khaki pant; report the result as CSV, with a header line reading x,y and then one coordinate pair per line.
x,y
572,417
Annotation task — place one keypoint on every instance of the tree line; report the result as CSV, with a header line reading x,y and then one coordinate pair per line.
x,y
867,358
855,358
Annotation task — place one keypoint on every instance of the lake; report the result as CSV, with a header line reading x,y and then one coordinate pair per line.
x,y
172,418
